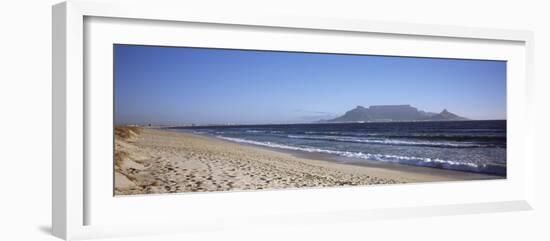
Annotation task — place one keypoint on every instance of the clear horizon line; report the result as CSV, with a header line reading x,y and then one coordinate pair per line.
x,y
291,123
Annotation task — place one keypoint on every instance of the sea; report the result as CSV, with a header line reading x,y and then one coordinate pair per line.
x,y
470,146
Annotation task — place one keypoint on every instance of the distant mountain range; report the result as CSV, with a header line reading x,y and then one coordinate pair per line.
x,y
390,113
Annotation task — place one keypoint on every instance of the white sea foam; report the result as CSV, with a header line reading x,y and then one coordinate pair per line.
x,y
254,131
419,161
390,141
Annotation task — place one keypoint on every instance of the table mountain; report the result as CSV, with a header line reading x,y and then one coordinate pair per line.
x,y
381,113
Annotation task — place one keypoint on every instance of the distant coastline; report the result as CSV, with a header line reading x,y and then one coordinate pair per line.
x,y
191,125
164,126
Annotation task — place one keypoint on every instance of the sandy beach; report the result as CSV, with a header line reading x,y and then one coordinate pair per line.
x,y
159,161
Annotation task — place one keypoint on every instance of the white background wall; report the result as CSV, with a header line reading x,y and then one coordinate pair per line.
x,y
25,133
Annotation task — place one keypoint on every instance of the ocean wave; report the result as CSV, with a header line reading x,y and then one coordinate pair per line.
x,y
386,141
408,160
443,136
254,131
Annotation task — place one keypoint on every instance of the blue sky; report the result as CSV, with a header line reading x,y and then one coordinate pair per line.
x,y
173,85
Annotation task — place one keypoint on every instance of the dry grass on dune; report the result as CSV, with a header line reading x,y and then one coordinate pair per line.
x,y
127,163
119,157
126,132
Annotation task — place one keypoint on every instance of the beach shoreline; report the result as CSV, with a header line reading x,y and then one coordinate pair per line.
x,y
157,161
446,174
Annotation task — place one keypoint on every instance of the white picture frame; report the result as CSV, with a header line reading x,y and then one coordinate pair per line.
x,y
74,199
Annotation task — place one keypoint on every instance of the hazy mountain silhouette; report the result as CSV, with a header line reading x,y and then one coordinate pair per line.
x,y
381,113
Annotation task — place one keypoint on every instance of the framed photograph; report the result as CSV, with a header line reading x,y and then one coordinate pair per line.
x,y
181,121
